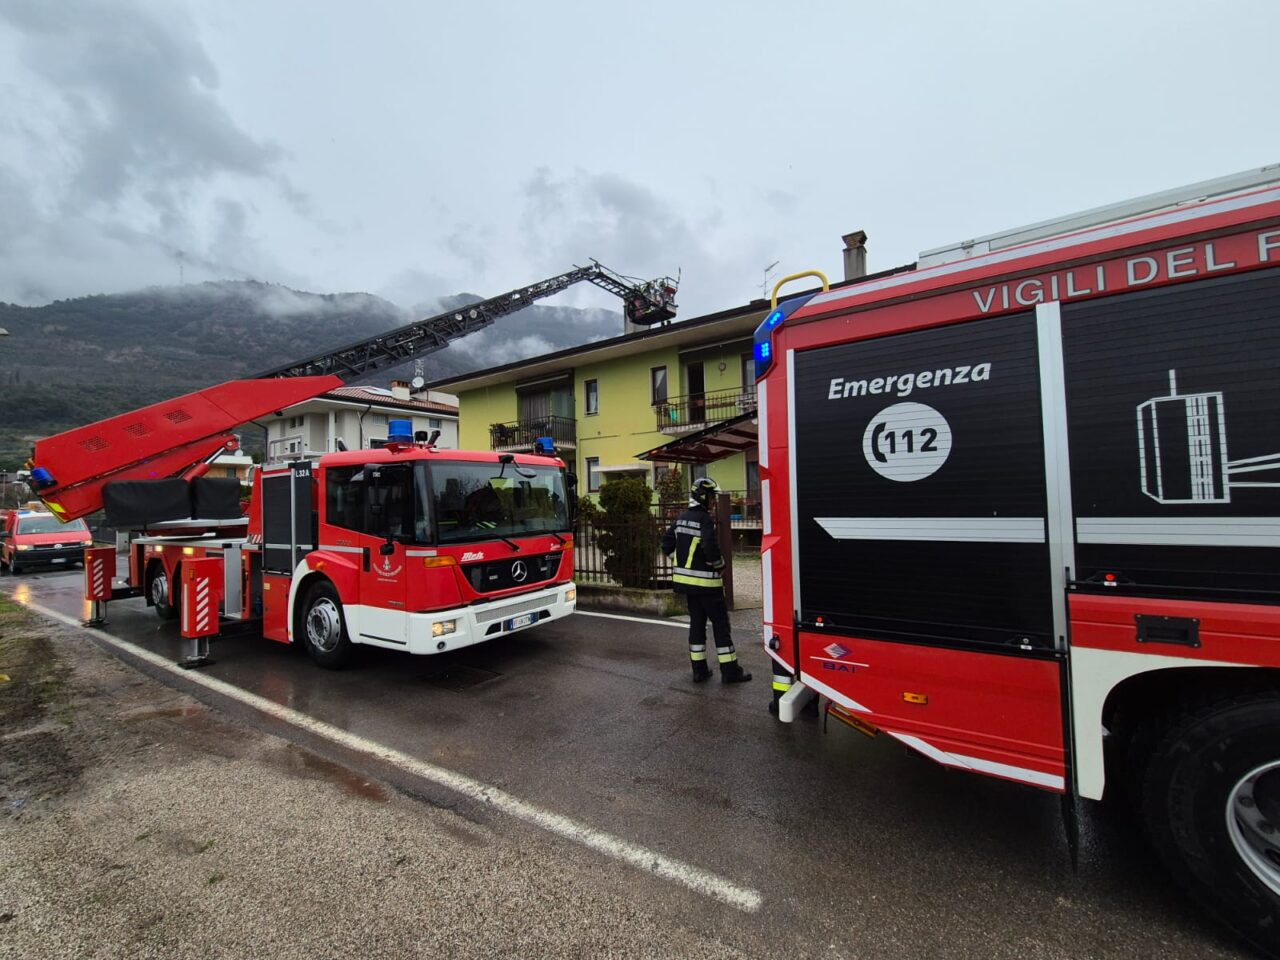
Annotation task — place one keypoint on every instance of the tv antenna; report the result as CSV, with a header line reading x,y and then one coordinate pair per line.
x,y
764,285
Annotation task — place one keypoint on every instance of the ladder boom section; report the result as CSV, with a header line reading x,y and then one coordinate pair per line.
x,y
70,469
645,302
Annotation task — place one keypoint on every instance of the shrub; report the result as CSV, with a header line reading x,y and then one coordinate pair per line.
x,y
628,534
672,487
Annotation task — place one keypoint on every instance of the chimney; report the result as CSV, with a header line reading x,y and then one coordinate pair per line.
x,y
400,389
855,255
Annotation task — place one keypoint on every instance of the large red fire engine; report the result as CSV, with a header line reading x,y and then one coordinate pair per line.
x,y
407,546
1022,511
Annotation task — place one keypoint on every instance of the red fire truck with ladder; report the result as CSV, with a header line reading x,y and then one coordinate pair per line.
x,y
1021,507
406,547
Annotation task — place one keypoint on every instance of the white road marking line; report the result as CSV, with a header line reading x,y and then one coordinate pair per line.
x,y
619,616
700,881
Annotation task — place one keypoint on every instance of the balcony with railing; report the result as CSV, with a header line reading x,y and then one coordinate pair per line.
x,y
518,435
284,449
679,415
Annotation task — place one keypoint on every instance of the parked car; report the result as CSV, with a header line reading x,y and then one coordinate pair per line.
x,y
31,538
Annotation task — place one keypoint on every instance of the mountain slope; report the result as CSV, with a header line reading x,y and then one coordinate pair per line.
x,y
76,361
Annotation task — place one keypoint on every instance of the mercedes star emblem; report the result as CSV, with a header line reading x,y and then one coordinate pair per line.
x,y
519,571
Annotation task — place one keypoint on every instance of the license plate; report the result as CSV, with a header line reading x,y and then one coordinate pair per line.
x,y
515,623
59,560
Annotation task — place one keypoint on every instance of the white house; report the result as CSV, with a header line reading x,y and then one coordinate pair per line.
x,y
357,416
232,465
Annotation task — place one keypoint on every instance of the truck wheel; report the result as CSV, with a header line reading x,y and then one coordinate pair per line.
x,y
14,569
324,629
1211,805
158,592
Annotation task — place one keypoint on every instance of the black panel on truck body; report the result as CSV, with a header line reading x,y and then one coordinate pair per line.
x,y
1173,403
921,499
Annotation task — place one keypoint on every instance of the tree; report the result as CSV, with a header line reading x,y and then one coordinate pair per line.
x,y
628,534
672,488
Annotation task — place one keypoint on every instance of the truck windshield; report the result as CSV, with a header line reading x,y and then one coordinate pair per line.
x,y
49,524
482,501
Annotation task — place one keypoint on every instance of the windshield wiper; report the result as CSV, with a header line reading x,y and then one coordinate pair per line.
x,y
557,536
511,543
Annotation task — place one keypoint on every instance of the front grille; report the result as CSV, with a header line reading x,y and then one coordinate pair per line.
x,y
42,554
500,611
511,572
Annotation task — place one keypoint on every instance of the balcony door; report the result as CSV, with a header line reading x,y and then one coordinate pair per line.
x,y
697,391
540,402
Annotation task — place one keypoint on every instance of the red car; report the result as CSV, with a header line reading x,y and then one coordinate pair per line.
x,y
31,538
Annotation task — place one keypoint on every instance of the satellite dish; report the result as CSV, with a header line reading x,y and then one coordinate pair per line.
x,y
417,383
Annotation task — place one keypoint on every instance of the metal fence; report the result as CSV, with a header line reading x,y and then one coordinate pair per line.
x,y
744,509
623,553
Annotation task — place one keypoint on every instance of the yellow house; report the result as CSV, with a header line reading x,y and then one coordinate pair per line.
x,y
609,404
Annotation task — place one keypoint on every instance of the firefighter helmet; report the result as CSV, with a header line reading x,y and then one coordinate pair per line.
x,y
702,492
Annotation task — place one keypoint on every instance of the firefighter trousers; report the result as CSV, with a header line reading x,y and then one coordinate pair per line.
x,y
703,607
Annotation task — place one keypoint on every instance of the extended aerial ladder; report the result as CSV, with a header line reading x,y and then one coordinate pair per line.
x,y
182,436
644,303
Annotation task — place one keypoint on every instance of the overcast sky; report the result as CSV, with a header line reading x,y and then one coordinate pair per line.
x,y
417,149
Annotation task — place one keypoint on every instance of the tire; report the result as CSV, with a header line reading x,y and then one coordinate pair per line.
x,y
14,568
1211,807
158,592
324,628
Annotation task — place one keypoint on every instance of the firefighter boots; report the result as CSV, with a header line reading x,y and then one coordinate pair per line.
x,y
732,672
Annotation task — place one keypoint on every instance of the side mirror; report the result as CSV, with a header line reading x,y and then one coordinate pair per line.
x,y
4,534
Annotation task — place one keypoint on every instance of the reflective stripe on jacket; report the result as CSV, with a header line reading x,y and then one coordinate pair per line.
x,y
691,539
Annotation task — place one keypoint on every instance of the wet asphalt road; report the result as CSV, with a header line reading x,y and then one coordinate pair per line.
x,y
857,849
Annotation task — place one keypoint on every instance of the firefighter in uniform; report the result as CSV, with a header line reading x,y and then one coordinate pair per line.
x,y
692,539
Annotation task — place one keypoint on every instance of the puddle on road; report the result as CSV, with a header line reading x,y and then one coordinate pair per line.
x,y
311,766
164,713
458,677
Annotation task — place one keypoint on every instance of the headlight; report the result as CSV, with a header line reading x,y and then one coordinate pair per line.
x,y
24,546
441,627
571,595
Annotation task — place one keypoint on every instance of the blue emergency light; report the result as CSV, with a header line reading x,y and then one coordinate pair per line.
x,y
400,431
763,351
544,446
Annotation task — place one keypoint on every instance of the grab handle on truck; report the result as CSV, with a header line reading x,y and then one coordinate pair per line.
x,y
773,303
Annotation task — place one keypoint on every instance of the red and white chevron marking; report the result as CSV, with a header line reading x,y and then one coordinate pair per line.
x,y
202,605
99,577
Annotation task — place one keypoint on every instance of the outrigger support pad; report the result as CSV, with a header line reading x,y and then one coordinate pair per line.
x,y
197,655
97,615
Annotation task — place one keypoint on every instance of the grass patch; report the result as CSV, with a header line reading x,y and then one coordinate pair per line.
x,y
37,680
204,847
214,878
